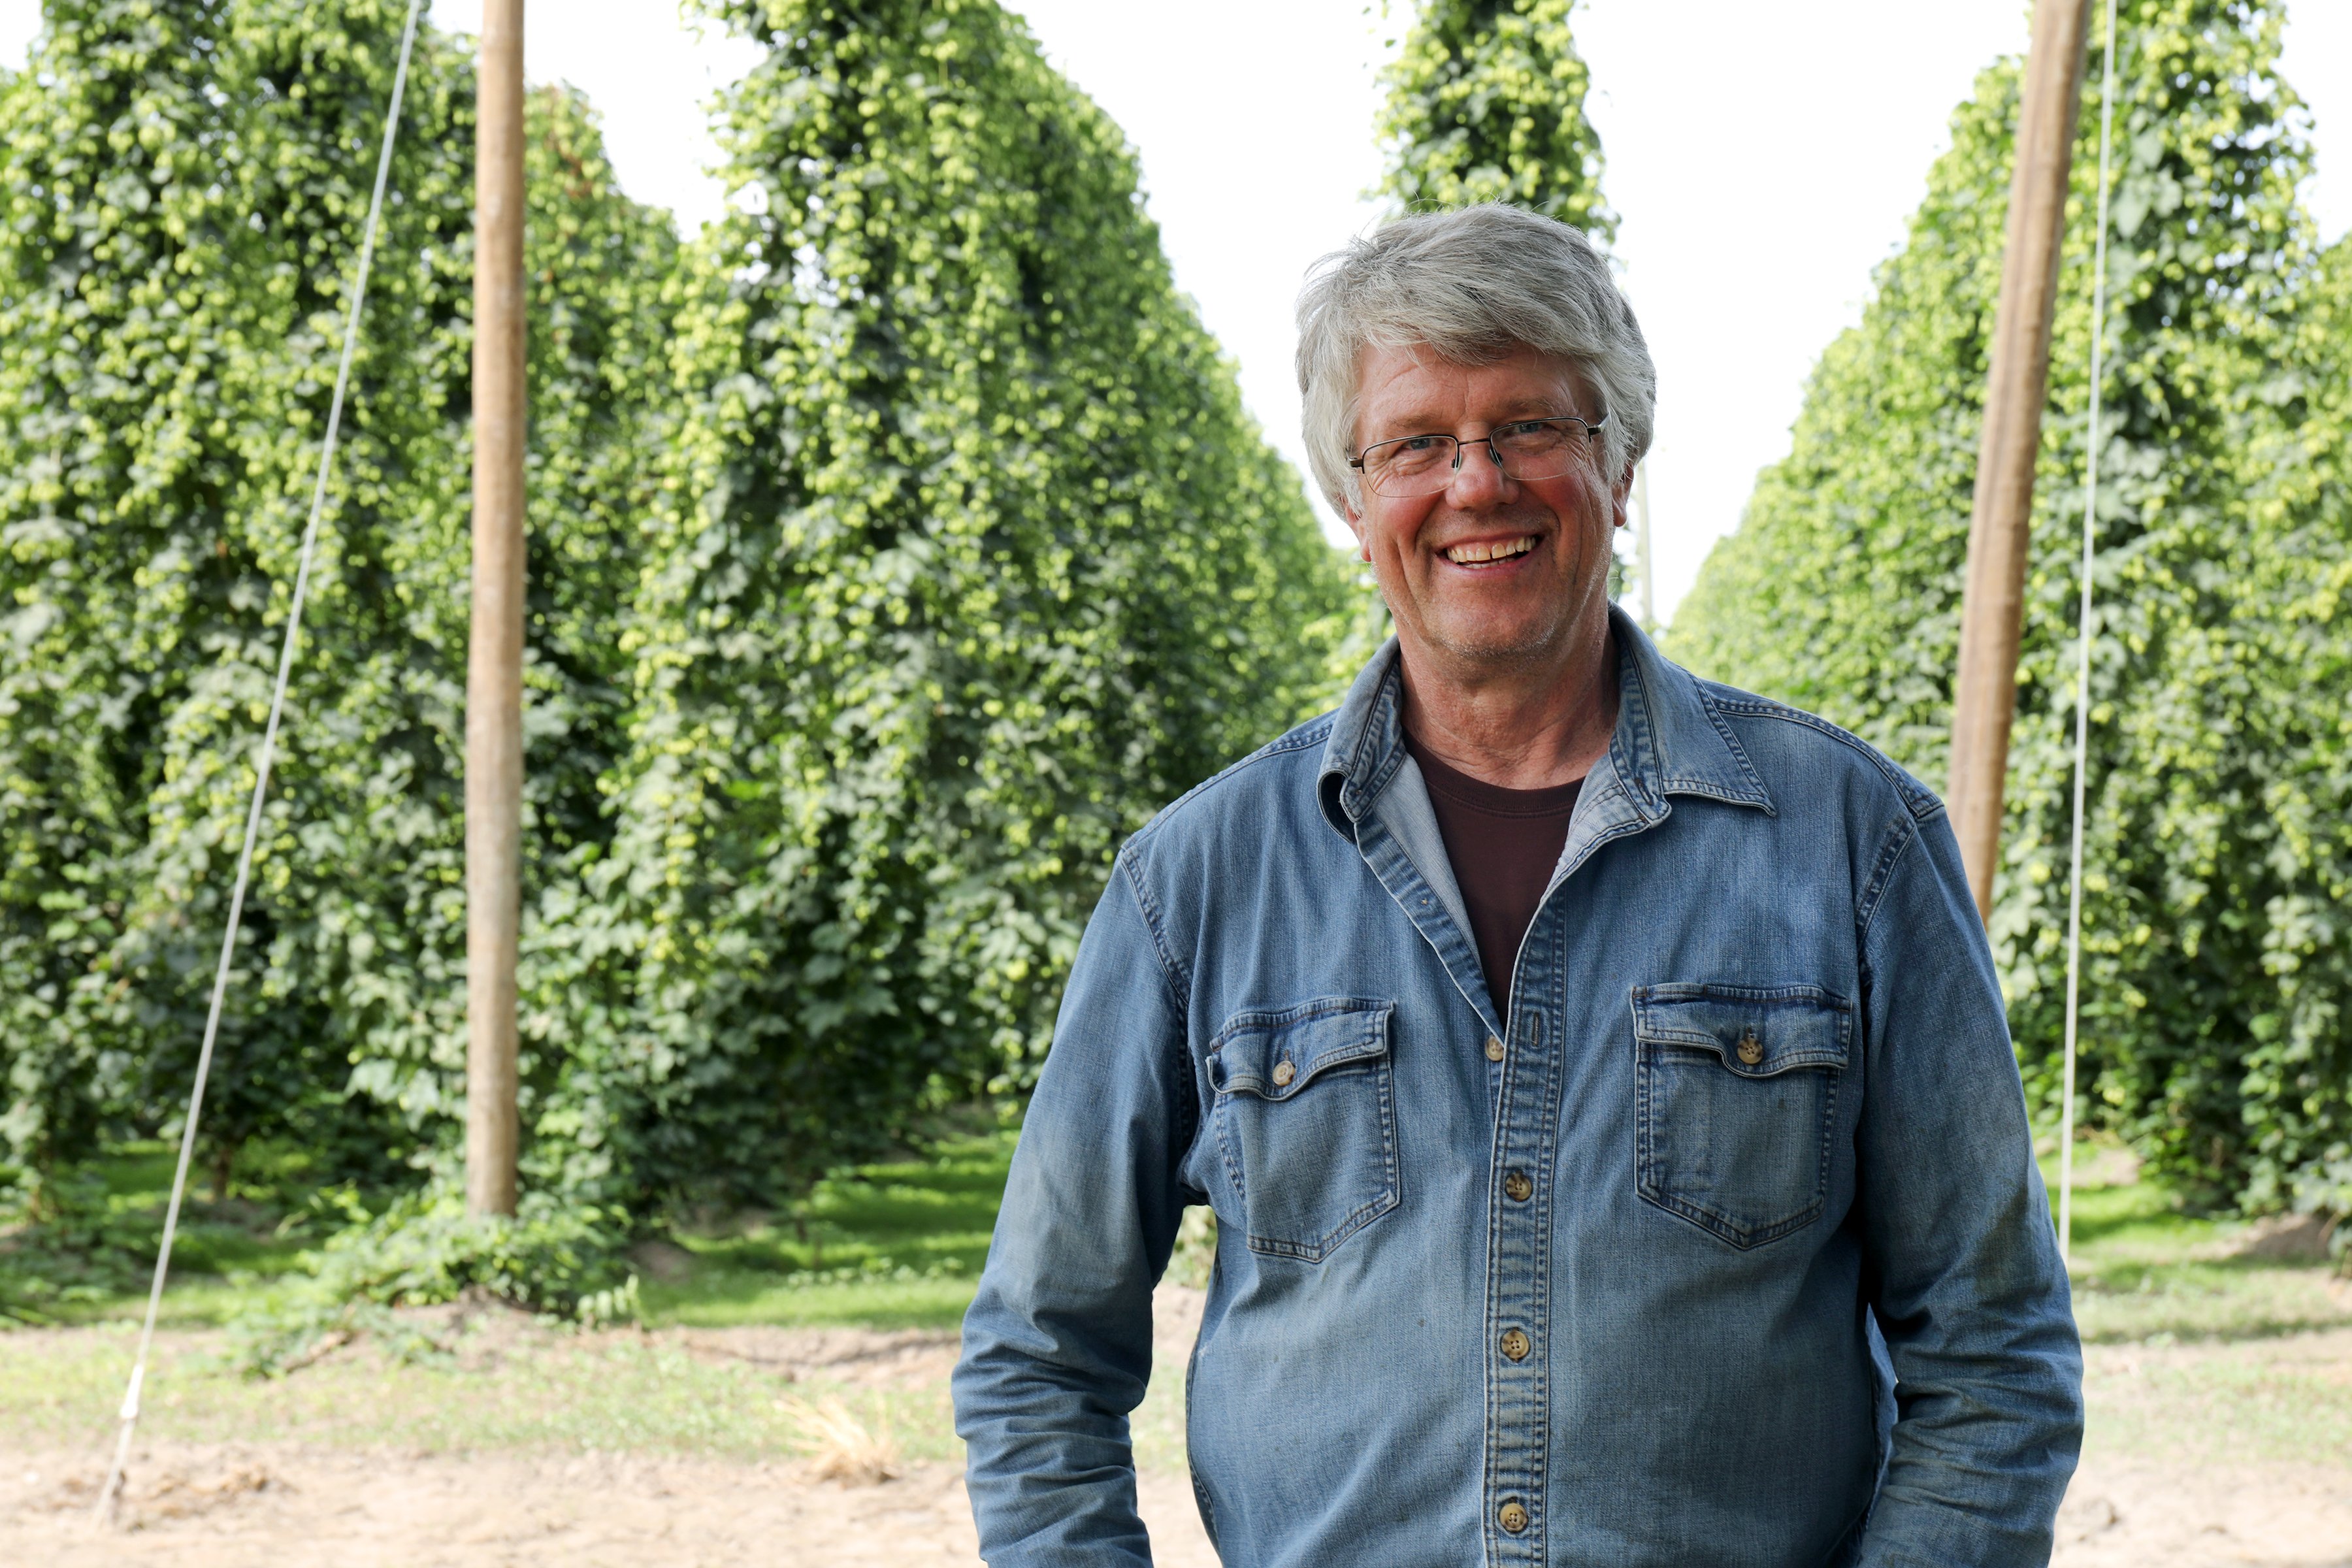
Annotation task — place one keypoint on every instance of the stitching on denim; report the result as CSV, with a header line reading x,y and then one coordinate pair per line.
x,y
1899,839
1233,1162
1173,972
1256,1018
1762,797
1381,716
1638,699
1184,1092
1652,1002
1306,1071
1608,835
1390,1195
1364,736
1917,798
1201,1498
1315,733
1650,1171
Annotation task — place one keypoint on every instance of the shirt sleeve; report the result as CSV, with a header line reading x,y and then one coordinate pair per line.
x,y
1057,1344
1961,1261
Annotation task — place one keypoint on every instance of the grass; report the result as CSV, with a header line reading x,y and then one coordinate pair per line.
x,y
899,1245
2144,1272
2191,1350
886,1247
535,1392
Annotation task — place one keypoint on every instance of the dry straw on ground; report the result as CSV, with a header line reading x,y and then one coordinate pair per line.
x,y
839,1445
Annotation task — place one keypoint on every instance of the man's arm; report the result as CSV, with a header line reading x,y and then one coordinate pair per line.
x,y
1057,1345
1963,1268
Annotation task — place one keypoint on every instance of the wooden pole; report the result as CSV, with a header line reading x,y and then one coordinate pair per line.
x,y
1985,699
494,663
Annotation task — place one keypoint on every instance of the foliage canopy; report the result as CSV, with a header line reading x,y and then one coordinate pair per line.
x,y
967,558
895,547
1486,103
184,186
2211,1031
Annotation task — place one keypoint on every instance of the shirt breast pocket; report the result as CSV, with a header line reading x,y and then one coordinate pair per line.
x,y
1736,1096
1305,1122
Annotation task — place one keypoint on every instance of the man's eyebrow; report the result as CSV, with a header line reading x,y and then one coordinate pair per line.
x,y
1424,422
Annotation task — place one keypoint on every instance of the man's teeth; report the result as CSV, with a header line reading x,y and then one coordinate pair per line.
x,y
1500,550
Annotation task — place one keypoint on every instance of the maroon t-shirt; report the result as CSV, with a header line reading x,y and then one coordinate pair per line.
x,y
1503,844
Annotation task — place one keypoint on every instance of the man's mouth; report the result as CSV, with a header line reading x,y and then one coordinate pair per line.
x,y
1486,552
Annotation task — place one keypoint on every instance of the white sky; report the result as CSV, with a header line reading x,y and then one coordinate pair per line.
x,y
1762,160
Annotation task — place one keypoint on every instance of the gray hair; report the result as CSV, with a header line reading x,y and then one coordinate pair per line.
x,y
1473,284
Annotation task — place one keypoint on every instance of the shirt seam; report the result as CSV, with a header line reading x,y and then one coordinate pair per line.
x,y
1173,972
1899,839
1313,733
1918,800
1182,1093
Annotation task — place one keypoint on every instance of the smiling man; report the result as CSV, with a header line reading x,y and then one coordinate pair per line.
x,y
1598,1075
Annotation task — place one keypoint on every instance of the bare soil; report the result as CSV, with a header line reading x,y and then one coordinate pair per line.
x,y
220,1506
2160,1486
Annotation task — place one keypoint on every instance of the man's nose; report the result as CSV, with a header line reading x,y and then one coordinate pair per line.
x,y
1478,477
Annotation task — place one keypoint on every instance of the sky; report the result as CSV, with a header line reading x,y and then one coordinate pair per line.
x,y
1762,160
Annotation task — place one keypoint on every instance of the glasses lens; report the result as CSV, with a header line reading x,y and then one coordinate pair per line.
x,y
1424,465
1539,448
1417,466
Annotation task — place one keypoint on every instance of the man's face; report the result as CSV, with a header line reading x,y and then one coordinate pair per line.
x,y
1491,571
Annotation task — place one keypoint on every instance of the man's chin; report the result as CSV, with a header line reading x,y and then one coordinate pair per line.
x,y
1499,645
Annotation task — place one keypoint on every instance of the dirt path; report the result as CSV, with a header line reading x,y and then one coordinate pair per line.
x,y
220,1507
230,1507
2179,1476
2139,1515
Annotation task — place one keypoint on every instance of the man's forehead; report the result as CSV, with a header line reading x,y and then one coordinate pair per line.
x,y
1413,379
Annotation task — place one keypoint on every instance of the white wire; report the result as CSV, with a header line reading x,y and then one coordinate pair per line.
x,y
2082,667
109,1494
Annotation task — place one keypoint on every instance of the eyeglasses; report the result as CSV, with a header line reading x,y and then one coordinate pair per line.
x,y
1522,449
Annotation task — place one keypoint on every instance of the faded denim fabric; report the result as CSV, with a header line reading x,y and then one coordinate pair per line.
x,y
1726,1247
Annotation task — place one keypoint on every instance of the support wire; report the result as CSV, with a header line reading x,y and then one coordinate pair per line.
x,y
109,1495
2082,666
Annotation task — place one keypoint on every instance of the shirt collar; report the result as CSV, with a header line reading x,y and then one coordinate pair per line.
x,y
1670,739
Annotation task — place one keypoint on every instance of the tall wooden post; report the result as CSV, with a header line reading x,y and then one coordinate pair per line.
x,y
494,663
1984,699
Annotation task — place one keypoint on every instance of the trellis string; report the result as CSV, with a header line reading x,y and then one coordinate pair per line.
x,y
109,1494
2083,664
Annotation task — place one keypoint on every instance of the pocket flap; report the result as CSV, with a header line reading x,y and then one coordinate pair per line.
x,y
1756,1030
1274,1055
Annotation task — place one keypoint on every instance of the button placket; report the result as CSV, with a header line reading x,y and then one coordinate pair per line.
x,y
1518,1425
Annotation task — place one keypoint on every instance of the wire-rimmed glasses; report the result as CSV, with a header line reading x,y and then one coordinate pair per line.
x,y
1523,449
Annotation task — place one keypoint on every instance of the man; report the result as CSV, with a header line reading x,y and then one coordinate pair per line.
x,y
1598,1075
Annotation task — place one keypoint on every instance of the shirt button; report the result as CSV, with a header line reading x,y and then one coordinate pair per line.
x,y
1515,1344
1751,1050
1512,1517
1517,1187
1283,1073
1494,1049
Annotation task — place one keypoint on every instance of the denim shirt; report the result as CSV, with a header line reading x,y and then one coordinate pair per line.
x,y
1727,1246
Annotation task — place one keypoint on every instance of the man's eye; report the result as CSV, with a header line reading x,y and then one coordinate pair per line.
x,y
1525,427
1418,444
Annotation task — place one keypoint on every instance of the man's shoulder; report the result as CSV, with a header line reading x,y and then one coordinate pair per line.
x,y
1792,748
1277,778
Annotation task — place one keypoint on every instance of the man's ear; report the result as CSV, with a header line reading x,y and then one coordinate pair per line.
x,y
1355,521
1619,494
